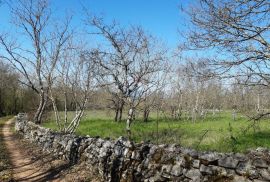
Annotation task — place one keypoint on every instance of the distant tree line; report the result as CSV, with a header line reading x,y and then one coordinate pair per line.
x,y
14,97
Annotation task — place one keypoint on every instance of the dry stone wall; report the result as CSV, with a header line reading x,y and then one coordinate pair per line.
x,y
123,160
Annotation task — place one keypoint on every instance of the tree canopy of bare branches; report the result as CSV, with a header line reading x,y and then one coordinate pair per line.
x,y
239,30
130,63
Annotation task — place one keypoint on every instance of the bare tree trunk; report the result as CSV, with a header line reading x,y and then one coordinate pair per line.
x,y
195,109
66,117
73,125
119,104
234,115
146,114
194,115
172,112
42,110
56,113
179,109
116,114
121,110
258,103
42,103
129,121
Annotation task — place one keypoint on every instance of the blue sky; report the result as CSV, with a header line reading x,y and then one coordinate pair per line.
x,y
162,18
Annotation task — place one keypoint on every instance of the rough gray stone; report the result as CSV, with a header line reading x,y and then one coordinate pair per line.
x,y
240,179
230,173
220,171
206,169
240,157
243,168
258,180
190,152
262,150
253,174
157,177
177,170
135,155
196,163
126,152
228,162
193,174
172,148
166,168
258,162
265,174
210,157
180,161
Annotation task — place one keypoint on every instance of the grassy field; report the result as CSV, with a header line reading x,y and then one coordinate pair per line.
x,y
5,172
219,133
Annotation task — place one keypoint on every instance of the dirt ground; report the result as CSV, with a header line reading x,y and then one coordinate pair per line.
x,y
31,163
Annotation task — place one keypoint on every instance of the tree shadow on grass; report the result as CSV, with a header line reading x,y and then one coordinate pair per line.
x,y
254,140
243,142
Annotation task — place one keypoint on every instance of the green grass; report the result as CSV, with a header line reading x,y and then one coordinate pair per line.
x,y
219,133
5,166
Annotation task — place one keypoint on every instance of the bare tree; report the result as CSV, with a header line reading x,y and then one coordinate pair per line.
x,y
117,103
152,98
75,81
237,30
35,50
129,65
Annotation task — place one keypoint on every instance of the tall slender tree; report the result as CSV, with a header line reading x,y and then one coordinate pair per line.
x,y
36,53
